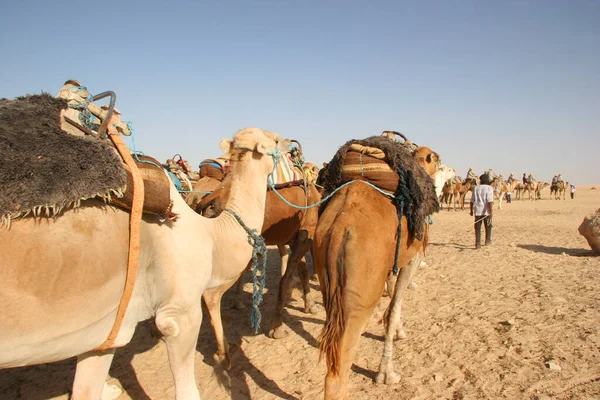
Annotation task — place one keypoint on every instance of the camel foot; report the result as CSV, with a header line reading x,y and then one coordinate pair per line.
x,y
110,392
387,379
400,334
412,285
311,307
223,360
278,333
239,305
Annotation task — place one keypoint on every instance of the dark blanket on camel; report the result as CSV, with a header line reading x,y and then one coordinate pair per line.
x,y
42,168
416,189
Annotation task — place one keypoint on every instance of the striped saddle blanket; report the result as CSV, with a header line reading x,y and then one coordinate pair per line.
x,y
287,173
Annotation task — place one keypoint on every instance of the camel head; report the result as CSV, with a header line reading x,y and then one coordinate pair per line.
x,y
428,159
255,143
322,175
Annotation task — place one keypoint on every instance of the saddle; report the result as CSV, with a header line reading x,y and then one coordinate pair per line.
x,y
48,169
215,168
369,164
157,196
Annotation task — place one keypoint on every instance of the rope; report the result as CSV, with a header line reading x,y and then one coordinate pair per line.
x,y
85,115
259,249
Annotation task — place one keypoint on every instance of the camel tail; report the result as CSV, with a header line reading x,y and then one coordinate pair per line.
x,y
333,300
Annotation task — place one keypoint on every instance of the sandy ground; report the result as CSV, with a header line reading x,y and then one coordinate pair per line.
x,y
480,324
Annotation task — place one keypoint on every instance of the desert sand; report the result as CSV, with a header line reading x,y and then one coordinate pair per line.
x,y
519,319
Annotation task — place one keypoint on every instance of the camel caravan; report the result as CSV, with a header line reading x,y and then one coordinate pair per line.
x,y
97,237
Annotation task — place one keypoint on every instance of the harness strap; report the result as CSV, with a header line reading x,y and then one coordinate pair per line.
x,y
135,223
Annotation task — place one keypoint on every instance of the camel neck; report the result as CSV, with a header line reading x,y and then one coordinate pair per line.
x,y
247,200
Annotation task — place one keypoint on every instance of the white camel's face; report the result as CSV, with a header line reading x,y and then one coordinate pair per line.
x,y
259,142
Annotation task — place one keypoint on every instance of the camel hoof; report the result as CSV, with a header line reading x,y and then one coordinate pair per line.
x,y
110,392
223,360
400,334
278,333
311,308
387,379
238,305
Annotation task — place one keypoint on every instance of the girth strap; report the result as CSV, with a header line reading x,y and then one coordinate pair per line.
x,y
135,223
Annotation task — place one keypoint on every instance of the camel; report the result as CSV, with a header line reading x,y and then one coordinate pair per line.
x,y
211,175
355,215
518,189
283,225
448,193
63,277
501,187
559,188
590,230
530,188
460,192
442,176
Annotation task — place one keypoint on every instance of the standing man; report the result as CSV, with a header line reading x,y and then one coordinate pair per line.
x,y
482,205
572,191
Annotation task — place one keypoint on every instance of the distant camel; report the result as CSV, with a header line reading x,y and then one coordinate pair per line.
x,y
559,188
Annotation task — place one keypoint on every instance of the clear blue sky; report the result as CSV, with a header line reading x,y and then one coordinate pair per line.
x,y
512,85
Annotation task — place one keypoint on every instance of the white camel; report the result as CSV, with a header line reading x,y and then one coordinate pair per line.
x,y
62,278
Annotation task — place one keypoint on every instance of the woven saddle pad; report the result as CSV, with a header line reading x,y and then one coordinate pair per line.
x,y
369,164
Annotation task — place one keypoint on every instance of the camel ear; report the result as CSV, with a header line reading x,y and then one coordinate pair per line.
x,y
325,165
226,145
284,145
261,147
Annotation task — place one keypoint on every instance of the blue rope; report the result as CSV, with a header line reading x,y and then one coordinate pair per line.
x,y
259,249
176,181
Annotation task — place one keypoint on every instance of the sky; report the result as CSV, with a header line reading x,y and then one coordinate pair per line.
x,y
512,85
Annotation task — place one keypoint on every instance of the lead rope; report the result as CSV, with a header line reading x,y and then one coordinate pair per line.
x,y
259,250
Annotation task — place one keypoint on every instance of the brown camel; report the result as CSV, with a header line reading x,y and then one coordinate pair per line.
x,y
283,225
353,280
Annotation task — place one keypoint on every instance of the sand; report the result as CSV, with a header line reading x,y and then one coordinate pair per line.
x,y
518,319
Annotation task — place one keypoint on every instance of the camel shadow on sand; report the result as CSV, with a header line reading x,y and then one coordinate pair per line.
x,y
538,248
51,380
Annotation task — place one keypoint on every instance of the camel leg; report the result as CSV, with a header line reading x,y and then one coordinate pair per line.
x,y
299,248
394,327
284,257
212,299
181,329
310,307
336,385
359,303
90,374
